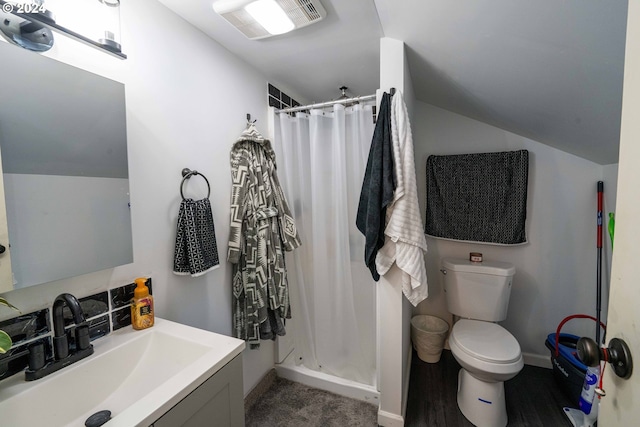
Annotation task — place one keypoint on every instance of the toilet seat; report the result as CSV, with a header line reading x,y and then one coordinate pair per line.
x,y
485,341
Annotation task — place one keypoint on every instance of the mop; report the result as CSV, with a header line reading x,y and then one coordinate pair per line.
x,y
587,415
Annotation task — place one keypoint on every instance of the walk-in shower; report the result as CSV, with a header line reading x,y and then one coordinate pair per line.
x,y
322,153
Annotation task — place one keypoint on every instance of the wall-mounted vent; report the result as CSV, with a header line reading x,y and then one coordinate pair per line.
x,y
300,12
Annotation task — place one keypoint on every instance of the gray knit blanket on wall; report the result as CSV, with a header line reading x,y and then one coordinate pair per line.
x,y
478,197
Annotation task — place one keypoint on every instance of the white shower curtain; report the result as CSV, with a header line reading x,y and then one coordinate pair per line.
x,y
321,162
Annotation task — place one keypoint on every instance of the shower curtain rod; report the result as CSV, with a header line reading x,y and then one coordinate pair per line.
x,y
326,104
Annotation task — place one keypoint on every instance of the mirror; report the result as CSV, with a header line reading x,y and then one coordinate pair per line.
x,y
64,165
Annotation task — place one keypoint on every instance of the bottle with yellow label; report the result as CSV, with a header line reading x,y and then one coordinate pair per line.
x,y
141,306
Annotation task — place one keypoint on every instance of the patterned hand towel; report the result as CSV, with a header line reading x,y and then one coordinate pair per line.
x,y
196,251
478,197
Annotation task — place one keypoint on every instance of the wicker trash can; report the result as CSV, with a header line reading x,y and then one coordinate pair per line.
x,y
428,334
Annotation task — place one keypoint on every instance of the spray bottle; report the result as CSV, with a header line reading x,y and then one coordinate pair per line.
x,y
588,394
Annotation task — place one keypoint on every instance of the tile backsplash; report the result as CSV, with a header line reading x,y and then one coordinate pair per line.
x,y
105,312
279,99
27,326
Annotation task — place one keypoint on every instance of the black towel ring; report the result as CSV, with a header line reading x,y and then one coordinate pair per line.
x,y
188,173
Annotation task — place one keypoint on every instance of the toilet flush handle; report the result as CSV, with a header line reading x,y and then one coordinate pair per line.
x,y
443,271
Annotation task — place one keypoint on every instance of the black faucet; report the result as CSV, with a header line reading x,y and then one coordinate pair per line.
x,y
63,354
60,342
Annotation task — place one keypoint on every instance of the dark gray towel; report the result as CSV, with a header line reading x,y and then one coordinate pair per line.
x,y
196,251
378,187
478,197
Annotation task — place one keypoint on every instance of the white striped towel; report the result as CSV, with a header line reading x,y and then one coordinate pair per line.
x,y
405,243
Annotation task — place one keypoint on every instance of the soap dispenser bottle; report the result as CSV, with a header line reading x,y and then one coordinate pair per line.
x,y
141,306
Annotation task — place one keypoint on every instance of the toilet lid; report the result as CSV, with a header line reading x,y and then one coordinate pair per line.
x,y
485,341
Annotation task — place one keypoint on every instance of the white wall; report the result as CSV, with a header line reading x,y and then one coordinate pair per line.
x,y
407,308
556,269
394,311
187,100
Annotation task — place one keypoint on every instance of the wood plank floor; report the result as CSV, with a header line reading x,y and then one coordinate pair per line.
x,y
533,398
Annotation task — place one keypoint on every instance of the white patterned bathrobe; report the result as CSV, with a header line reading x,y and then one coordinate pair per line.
x,y
262,228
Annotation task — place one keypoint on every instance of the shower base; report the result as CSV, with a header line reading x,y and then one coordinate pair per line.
x,y
323,381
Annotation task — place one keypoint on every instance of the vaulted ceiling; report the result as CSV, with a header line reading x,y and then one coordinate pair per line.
x,y
549,70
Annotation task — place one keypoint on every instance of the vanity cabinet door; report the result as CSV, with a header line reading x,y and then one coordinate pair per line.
x,y
217,402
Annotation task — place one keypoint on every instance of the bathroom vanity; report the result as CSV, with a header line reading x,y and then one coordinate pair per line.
x,y
220,398
167,375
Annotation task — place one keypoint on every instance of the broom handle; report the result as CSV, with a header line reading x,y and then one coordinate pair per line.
x,y
599,263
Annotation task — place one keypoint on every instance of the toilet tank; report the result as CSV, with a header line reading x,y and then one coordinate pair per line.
x,y
477,290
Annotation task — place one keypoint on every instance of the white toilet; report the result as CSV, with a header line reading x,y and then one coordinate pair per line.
x,y
478,293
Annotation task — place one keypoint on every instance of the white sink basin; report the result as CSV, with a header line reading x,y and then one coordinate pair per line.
x,y
137,375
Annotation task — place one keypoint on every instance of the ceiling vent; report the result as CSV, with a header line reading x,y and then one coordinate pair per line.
x,y
297,14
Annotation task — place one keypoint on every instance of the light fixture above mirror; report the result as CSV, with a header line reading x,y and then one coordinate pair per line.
x,y
110,24
93,22
259,19
26,33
